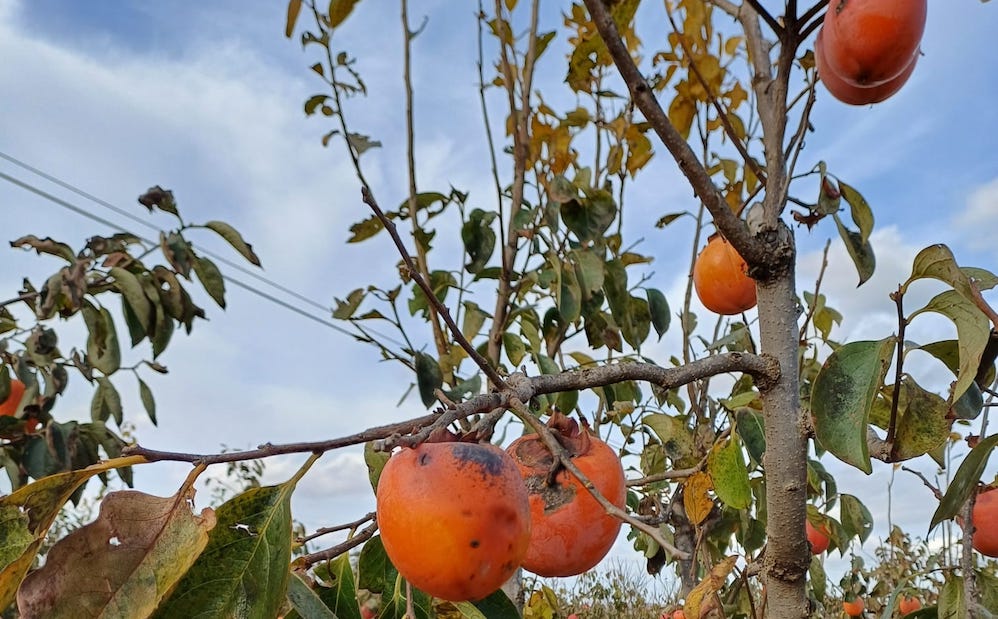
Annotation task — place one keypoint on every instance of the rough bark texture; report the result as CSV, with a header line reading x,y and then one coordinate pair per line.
x,y
787,556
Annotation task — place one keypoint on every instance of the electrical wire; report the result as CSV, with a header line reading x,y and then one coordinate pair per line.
x,y
85,213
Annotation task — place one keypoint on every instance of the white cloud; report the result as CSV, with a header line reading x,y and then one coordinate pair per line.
x,y
975,223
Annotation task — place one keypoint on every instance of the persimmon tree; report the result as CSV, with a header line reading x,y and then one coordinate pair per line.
x,y
547,308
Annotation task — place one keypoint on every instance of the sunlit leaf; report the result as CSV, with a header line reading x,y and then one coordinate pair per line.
x,y
973,330
709,586
862,214
964,481
696,497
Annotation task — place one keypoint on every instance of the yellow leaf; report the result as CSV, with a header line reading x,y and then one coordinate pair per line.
x,y
696,499
294,7
696,601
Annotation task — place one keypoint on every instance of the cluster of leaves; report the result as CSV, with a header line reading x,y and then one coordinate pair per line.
x,y
107,272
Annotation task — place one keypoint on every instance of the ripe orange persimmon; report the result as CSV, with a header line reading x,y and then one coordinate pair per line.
x,y
721,279
985,539
869,42
679,614
818,537
570,531
454,518
850,94
854,607
9,406
909,604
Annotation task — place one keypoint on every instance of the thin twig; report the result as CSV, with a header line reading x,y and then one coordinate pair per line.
x,y
817,291
898,298
431,296
767,17
331,553
350,526
665,475
935,491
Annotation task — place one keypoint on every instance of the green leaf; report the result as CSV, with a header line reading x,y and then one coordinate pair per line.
x,y
675,436
964,481
345,309
428,378
569,294
751,427
232,236
817,578
922,425
4,383
131,289
375,571
951,603
842,396
106,402
103,351
243,572
635,330
589,217
859,250
658,306
474,319
338,588
970,405
148,401
856,518
395,606
588,270
496,606
305,600
375,461
862,214
973,331
211,278
479,239
513,345
730,475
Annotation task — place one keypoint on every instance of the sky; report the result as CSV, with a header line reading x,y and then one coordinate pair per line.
x,y
206,99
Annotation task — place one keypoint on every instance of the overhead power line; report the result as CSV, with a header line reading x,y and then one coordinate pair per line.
x,y
106,222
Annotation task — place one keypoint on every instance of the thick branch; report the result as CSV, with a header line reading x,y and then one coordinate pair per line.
x,y
733,228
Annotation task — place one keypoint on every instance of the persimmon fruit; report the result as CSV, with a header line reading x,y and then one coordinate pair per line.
x,y
854,607
818,537
13,401
454,518
720,277
909,604
868,42
848,93
985,540
570,531
679,614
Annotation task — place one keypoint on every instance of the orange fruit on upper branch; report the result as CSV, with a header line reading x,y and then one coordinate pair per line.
x,y
909,604
13,401
985,539
818,537
454,518
570,531
720,276
868,42
854,607
848,93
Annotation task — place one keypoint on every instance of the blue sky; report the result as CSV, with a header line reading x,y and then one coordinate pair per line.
x,y
205,99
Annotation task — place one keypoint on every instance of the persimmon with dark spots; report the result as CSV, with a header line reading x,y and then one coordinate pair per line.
x,y
454,518
13,401
720,277
985,539
869,42
851,94
571,531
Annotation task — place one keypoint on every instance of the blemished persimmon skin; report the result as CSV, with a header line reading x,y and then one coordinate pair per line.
x,y
819,539
985,540
9,406
857,95
571,531
454,518
869,42
721,279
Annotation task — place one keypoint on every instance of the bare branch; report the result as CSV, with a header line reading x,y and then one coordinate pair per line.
x,y
349,526
309,560
766,16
